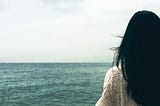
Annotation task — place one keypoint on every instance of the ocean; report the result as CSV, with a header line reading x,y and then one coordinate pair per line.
x,y
51,84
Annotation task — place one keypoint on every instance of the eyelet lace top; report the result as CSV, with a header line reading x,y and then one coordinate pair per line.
x,y
114,90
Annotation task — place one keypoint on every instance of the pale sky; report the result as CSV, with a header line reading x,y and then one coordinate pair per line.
x,y
65,30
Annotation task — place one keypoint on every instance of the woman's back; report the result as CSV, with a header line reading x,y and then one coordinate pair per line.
x,y
138,56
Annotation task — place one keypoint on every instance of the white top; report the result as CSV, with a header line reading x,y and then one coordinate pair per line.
x,y
114,90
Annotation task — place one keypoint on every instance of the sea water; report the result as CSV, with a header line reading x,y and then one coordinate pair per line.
x,y
51,84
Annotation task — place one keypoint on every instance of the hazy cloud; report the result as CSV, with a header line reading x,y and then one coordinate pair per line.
x,y
64,30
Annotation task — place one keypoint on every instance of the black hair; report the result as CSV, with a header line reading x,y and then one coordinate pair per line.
x,y
139,58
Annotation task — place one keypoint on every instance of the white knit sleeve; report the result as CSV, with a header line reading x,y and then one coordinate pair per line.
x,y
111,95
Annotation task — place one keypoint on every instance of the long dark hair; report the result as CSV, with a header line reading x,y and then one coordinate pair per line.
x,y
139,58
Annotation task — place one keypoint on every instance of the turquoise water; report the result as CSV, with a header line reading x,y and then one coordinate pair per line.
x,y
51,84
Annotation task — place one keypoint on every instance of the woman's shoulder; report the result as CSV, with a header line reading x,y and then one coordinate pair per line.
x,y
114,71
114,74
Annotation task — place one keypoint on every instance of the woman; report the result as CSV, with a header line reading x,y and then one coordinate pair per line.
x,y
135,80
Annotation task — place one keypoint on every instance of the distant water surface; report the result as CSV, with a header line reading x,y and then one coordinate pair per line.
x,y
51,84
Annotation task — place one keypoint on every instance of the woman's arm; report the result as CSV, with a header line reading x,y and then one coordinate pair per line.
x,y
110,95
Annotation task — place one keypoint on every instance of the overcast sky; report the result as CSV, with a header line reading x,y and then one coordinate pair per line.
x,y
65,30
